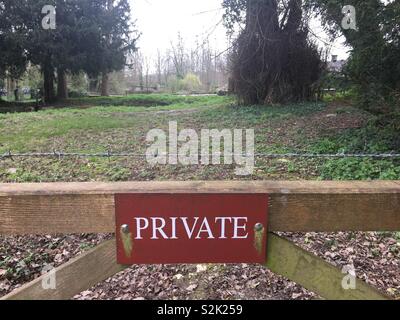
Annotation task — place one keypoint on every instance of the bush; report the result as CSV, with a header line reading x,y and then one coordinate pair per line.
x,y
380,135
79,85
355,169
191,83
77,93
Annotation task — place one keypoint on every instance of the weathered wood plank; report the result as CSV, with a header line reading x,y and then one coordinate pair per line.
x,y
335,212
272,187
313,273
75,276
62,214
299,206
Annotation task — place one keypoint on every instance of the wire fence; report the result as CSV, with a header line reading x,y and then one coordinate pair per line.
x,y
110,154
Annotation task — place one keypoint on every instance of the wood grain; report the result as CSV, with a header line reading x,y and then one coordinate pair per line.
x,y
272,187
299,206
313,273
75,276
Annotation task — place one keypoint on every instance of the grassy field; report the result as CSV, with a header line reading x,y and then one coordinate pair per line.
x,y
120,124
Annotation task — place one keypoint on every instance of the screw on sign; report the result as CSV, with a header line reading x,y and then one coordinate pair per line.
x,y
191,228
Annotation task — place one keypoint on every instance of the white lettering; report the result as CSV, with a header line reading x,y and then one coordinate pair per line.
x,y
248,159
194,228
237,227
158,228
226,145
173,142
189,232
188,152
49,20
140,227
223,225
157,152
173,236
205,227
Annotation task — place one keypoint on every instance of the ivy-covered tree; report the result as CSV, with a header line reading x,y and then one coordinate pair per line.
x,y
273,60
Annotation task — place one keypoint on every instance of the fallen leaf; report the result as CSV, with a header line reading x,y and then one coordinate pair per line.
x,y
201,268
178,276
192,287
86,293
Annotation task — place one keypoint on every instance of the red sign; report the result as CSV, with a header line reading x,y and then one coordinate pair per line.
x,y
191,228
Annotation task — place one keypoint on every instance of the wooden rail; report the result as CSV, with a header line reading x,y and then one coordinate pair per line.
x,y
63,208
297,206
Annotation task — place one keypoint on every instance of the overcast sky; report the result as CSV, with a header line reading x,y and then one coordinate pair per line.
x,y
159,21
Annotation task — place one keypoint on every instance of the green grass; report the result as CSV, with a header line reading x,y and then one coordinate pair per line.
x,y
345,96
258,114
34,130
28,131
24,98
146,100
120,124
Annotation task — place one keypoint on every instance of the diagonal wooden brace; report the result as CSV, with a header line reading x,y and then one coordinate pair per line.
x,y
75,276
313,273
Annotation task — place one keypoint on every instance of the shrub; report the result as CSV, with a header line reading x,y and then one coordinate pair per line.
x,y
355,169
191,83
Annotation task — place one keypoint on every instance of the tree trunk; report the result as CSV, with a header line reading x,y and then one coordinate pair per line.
x,y
16,92
231,85
104,85
62,87
48,90
274,62
10,86
93,85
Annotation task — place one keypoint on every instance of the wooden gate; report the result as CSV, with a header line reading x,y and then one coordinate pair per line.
x,y
306,206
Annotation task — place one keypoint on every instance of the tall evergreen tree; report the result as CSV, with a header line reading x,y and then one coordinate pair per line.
x,y
93,36
115,39
13,59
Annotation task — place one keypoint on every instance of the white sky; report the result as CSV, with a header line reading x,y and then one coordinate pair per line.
x,y
159,21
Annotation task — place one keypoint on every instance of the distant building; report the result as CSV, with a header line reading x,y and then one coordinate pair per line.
x,y
336,65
